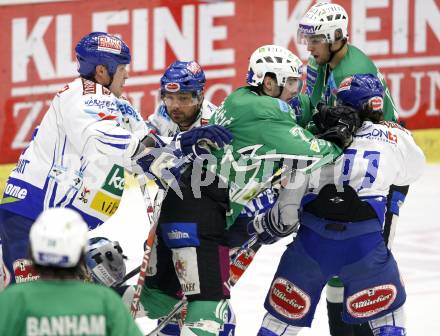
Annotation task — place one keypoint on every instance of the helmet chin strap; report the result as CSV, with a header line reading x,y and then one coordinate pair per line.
x,y
334,52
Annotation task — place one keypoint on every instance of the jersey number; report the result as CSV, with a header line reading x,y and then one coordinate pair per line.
x,y
372,157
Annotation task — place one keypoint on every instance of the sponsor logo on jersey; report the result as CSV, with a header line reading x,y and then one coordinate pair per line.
x,y
24,271
185,265
371,301
114,182
105,204
289,300
21,166
100,103
103,115
14,193
175,234
110,44
66,325
89,87
172,87
65,88
379,134
127,110
84,195
284,107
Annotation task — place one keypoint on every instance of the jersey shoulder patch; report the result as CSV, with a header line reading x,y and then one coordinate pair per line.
x,y
391,124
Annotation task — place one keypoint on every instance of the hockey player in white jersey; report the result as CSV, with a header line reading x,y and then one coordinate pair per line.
x,y
340,211
78,154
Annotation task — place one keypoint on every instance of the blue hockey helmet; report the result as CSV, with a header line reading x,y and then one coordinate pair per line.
x,y
360,90
105,261
183,77
99,48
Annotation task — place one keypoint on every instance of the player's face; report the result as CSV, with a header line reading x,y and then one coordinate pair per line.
x,y
290,89
319,48
119,78
182,107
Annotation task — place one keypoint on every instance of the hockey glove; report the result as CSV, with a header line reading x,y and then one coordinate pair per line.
x,y
340,135
268,231
337,124
329,116
165,164
198,140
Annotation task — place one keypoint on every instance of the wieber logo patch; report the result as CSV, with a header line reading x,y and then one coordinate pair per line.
x,y
172,87
24,271
110,44
288,300
371,301
345,84
376,103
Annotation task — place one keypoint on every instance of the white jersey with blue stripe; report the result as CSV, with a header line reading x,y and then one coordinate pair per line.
x,y
77,155
380,155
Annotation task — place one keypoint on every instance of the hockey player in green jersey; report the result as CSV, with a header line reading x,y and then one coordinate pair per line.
x,y
58,303
266,132
324,29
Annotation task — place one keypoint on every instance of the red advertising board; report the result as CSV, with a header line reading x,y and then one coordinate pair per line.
x,y
402,36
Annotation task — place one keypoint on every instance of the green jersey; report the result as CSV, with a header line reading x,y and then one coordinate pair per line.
x,y
56,307
265,133
323,83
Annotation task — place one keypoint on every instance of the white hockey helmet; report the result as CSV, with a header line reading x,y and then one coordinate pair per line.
x,y
58,238
323,20
275,59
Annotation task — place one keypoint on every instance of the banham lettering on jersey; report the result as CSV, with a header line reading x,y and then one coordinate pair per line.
x,y
66,325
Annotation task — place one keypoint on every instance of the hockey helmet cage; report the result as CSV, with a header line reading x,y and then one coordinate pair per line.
x,y
58,238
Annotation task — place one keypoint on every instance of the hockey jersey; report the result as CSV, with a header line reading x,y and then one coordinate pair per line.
x,y
69,307
323,83
77,155
265,133
380,155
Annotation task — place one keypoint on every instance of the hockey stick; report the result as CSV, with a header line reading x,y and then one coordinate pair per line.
x,y
176,310
147,253
131,274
